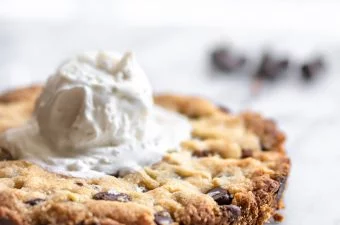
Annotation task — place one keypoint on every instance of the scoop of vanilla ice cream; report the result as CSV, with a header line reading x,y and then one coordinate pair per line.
x,y
95,117
95,100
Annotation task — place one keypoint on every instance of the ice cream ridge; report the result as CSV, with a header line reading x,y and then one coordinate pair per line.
x,y
96,117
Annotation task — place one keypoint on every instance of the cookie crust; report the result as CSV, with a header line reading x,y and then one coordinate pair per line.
x,y
232,171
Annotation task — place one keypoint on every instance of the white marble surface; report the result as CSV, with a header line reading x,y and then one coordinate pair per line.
x,y
175,58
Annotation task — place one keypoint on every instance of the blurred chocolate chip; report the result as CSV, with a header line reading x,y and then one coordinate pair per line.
x,y
193,116
224,60
34,201
232,212
115,174
265,146
279,192
277,217
224,109
283,64
312,68
5,155
119,173
108,196
79,183
246,153
163,218
220,195
270,68
202,153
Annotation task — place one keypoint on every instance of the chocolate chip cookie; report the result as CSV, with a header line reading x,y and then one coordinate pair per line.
x,y
232,171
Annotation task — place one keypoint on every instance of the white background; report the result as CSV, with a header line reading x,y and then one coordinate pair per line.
x,y
172,40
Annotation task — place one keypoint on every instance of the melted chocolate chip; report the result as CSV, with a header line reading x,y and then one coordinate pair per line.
x,y
34,201
310,69
246,153
221,196
163,218
232,212
107,196
226,61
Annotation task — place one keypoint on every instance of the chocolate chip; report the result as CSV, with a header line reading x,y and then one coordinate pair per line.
x,y
116,174
281,188
193,116
223,59
270,68
6,221
224,109
246,153
277,217
5,155
108,196
34,201
163,218
203,153
265,146
232,212
283,64
310,69
79,183
221,196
